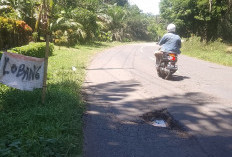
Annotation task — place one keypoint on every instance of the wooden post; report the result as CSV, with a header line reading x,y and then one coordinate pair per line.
x,y
46,22
45,69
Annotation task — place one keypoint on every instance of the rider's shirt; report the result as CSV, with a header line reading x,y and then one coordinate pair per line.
x,y
170,42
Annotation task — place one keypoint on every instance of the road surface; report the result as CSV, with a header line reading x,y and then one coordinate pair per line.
x,y
122,85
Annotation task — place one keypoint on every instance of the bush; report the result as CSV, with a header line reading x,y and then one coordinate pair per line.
x,y
34,49
80,27
69,37
105,36
61,38
13,33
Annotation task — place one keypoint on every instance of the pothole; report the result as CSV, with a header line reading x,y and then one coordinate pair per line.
x,y
162,118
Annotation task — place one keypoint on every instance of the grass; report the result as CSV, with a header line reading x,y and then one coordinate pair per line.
x,y
29,128
216,52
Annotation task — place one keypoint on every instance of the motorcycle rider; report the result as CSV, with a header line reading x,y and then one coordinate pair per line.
x,y
170,42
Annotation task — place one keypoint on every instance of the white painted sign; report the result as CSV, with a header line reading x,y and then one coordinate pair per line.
x,y
21,72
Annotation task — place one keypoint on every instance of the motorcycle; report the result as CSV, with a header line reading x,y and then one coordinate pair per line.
x,y
167,65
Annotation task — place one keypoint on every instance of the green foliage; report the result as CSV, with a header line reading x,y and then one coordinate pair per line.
x,y
13,33
142,26
75,26
87,19
25,9
128,23
67,3
61,39
35,36
118,15
216,51
118,2
208,19
137,27
156,31
32,129
82,21
104,23
34,49
105,36
7,11
68,37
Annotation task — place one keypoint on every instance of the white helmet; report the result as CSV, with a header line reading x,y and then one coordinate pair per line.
x,y
171,28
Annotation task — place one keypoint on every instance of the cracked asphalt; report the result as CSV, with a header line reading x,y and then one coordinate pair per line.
x,y
121,85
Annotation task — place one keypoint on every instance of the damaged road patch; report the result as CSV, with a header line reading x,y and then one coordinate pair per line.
x,y
162,118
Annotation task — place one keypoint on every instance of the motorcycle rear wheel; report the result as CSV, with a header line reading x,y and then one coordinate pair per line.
x,y
168,76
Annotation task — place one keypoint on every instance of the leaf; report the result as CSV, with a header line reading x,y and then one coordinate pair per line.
x,y
59,19
51,3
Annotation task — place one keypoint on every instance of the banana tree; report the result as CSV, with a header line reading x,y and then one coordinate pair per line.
x,y
42,24
66,29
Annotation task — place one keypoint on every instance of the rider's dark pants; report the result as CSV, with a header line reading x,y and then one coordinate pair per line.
x,y
158,56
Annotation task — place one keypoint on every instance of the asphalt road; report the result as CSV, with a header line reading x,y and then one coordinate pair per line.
x,y
122,85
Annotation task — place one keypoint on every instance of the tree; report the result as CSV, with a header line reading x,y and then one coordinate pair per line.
x,y
200,17
73,21
118,2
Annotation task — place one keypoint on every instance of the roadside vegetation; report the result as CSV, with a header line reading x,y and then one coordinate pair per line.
x,y
72,22
208,19
216,52
30,128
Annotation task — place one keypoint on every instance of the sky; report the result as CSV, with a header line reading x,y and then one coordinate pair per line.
x,y
147,6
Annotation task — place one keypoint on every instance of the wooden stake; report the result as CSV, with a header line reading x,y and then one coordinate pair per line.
x,y
45,69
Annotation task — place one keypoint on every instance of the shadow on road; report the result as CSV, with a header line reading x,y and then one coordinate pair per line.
x,y
113,127
179,78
